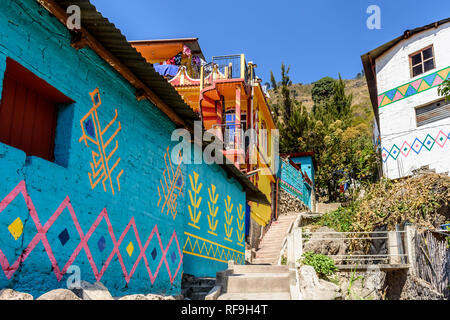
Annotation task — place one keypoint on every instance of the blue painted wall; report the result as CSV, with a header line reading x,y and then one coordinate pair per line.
x,y
215,232
291,180
51,217
306,164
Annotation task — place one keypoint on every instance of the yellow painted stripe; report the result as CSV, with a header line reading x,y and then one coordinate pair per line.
x,y
214,243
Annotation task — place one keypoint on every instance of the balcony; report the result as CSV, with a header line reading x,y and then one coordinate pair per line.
x,y
227,67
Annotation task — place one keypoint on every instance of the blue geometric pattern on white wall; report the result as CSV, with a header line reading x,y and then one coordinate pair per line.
x,y
418,146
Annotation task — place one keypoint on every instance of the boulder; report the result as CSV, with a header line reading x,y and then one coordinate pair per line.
x,y
337,246
59,294
9,294
313,288
362,285
308,277
95,291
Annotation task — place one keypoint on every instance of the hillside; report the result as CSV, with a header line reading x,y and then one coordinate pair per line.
x,y
362,108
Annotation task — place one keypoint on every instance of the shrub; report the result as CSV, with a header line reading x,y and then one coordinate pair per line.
x,y
323,265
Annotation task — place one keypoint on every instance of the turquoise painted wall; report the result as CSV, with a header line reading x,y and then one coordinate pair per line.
x,y
307,166
215,231
291,180
51,217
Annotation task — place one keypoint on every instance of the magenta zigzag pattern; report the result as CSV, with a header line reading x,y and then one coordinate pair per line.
x,y
9,269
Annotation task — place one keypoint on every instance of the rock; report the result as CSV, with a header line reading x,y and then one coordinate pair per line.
x,y
147,297
89,291
59,294
313,288
289,204
9,294
337,246
308,277
362,285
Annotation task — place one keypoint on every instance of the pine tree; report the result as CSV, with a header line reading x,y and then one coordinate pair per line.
x,y
273,81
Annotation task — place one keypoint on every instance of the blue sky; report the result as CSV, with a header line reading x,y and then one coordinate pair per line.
x,y
317,38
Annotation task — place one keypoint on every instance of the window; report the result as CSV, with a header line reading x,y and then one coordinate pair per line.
x,y
422,61
433,112
28,112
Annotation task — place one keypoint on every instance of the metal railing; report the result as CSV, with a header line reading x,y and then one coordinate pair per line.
x,y
231,66
230,134
374,248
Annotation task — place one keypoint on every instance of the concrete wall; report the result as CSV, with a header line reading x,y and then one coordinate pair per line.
x,y
405,146
52,217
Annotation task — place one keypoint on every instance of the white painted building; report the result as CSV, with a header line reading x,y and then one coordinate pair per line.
x,y
412,119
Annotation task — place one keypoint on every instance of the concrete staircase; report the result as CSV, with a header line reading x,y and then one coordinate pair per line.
x,y
272,243
254,282
264,279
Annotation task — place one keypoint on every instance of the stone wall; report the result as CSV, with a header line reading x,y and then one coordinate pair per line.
x,y
289,204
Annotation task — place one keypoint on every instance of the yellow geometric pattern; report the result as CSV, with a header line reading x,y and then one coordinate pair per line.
x,y
194,213
16,228
444,73
403,89
171,186
130,248
241,223
207,249
228,218
93,132
213,197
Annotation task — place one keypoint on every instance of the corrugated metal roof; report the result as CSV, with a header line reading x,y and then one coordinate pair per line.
x,y
115,42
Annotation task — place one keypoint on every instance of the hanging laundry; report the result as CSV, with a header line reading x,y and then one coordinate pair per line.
x,y
196,60
186,51
176,60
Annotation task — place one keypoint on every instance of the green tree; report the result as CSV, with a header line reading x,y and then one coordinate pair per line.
x,y
341,102
321,92
444,89
286,93
273,81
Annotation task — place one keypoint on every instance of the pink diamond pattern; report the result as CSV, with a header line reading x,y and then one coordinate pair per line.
x,y
10,269
441,139
407,146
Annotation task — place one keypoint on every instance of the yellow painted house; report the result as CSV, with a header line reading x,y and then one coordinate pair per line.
x,y
228,96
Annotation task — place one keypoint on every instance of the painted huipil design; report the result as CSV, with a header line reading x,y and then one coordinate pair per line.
x,y
212,221
94,133
171,185
194,211
228,219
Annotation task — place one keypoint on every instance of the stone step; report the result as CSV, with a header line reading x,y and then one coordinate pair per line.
x,y
258,282
269,251
255,268
266,261
256,296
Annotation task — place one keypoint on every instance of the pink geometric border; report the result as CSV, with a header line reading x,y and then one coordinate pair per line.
x,y
41,235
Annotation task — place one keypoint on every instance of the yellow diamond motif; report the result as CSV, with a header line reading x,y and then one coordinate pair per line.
x,y
16,228
130,248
